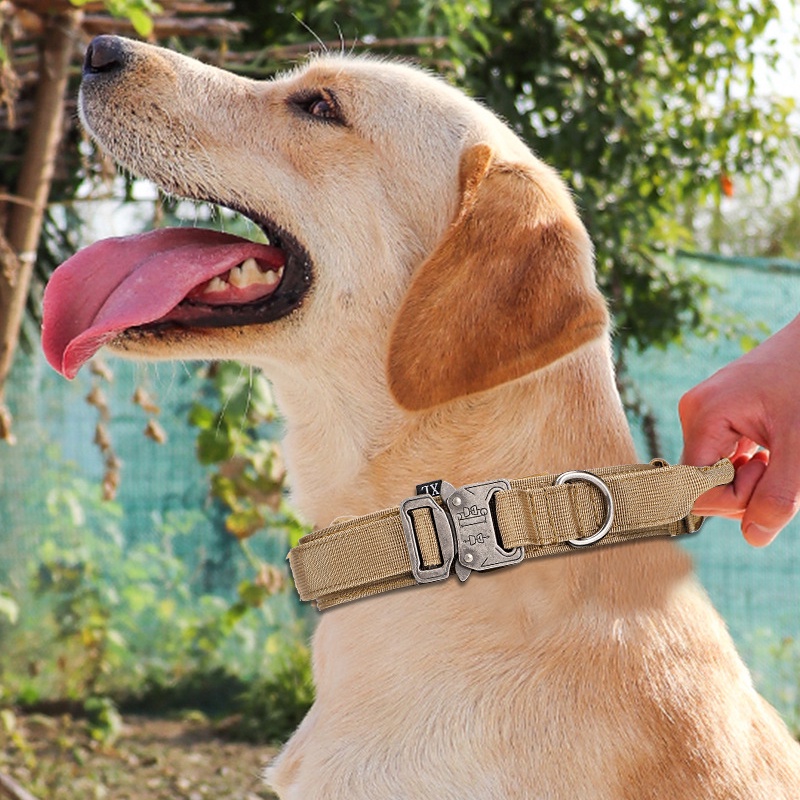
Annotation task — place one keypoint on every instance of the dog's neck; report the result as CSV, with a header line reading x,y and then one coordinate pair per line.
x,y
567,416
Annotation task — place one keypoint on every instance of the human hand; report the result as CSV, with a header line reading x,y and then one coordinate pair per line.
x,y
749,411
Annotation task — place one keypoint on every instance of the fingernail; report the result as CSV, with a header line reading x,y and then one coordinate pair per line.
x,y
758,536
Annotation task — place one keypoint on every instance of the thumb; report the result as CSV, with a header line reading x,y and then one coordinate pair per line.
x,y
775,499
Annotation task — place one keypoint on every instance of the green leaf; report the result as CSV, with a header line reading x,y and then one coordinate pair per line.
x,y
235,613
9,608
141,21
225,490
9,720
262,404
747,342
243,524
202,417
296,532
252,594
213,446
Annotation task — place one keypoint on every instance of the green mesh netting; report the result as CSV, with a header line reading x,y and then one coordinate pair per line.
x,y
163,496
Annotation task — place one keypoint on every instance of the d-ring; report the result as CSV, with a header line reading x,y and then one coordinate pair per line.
x,y
605,527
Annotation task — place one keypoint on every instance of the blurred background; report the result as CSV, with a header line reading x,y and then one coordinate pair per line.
x,y
144,519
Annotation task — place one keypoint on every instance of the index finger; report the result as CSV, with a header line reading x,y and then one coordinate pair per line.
x,y
731,501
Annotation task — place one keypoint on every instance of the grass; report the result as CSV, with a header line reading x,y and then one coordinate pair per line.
x,y
152,759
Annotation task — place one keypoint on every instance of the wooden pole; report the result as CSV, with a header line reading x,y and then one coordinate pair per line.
x,y
24,223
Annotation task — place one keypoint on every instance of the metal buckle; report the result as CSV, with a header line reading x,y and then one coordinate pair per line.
x,y
465,526
478,540
605,526
444,534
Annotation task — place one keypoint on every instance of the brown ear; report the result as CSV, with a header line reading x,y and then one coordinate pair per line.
x,y
509,288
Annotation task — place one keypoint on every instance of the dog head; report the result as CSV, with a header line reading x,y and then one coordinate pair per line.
x,y
402,219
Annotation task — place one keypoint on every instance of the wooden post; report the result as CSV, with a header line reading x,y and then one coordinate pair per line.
x,y
24,223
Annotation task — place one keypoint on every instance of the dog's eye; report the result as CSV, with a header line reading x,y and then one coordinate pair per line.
x,y
321,105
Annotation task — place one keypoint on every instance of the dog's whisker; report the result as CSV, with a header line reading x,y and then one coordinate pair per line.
x,y
228,398
249,395
342,43
323,47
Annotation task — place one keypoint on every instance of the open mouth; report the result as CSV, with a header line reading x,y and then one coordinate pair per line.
x,y
268,282
170,278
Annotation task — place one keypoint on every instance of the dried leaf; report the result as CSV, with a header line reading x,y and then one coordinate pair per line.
x,y
154,431
142,398
270,578
101,437
6,431
97,398
99,368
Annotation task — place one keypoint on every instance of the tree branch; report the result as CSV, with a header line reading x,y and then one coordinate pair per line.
x,y
165,27
10,788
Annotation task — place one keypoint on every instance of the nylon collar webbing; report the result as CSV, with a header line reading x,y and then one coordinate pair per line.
x,y
487,525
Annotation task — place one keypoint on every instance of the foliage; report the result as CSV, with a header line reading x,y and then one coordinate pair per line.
x,y
104,616
439,34
643,107
81,613
11,732
237,424
249,478
104,722
274,705
9,608
213,692
139,12
237,427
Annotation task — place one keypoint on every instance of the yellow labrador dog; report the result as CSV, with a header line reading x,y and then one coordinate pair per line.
x,y
426,308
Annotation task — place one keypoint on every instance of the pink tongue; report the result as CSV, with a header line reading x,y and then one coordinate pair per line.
x,y
125,282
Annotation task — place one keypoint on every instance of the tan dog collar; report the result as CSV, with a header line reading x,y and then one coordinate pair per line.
x,y
488,525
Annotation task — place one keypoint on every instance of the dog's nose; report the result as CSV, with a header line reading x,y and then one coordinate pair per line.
x,y
104,54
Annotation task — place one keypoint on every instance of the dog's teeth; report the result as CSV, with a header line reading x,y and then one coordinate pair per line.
x,y
245,274
216,285
248,273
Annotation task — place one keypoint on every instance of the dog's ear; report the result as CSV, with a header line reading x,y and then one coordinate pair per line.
x,y
509,288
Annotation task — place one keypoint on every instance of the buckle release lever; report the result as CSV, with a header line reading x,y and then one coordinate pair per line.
x,y
465,528
478,543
